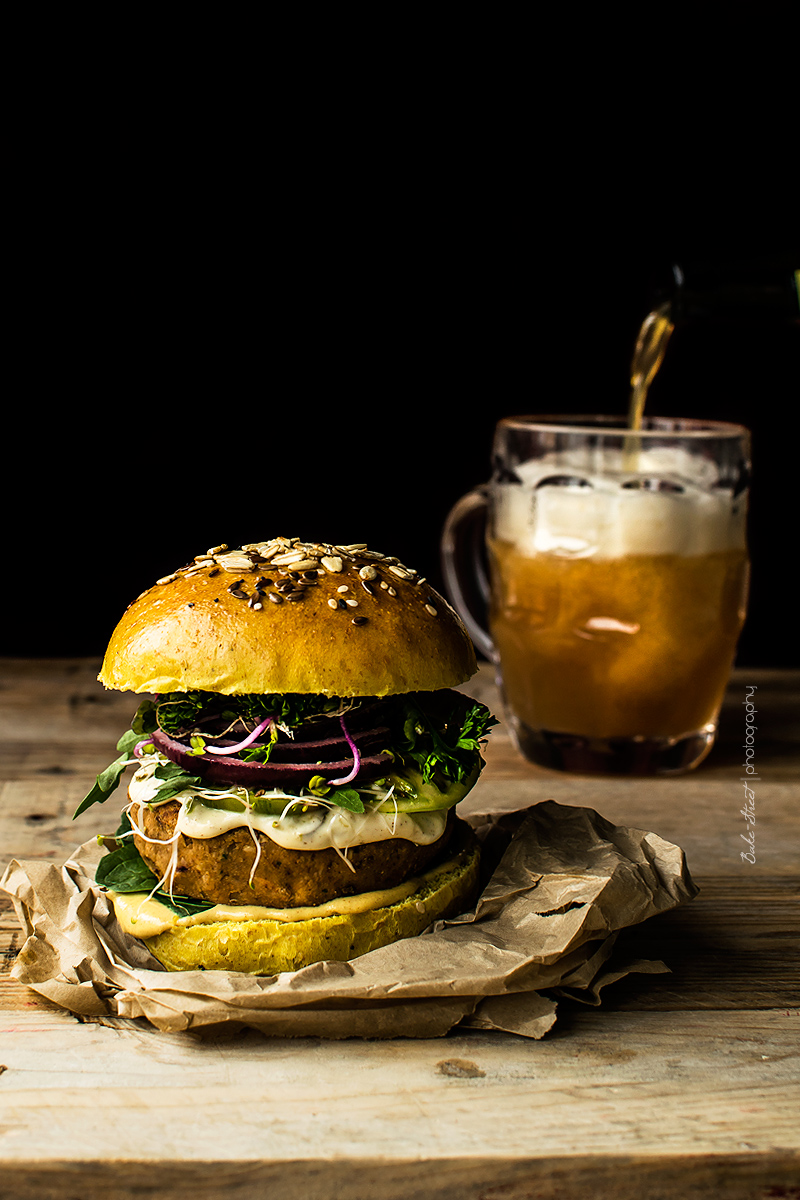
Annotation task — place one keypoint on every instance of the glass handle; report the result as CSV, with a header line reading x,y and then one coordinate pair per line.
x,y
466,577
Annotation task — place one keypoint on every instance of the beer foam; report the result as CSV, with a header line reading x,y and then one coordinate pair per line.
x,y
596,506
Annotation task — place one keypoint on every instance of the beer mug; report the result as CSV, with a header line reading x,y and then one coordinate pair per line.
x,y
613,567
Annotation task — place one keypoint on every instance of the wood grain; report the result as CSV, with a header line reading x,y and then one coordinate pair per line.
x,y
677,1085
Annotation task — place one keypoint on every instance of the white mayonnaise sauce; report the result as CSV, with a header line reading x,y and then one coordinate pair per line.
x,y
317,828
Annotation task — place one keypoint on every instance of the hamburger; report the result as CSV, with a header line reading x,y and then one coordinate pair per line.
x,y
297,758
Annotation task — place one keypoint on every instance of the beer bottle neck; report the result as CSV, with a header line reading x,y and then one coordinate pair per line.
x,y
763,290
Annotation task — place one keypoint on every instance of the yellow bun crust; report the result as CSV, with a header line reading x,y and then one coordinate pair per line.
x,y
268,947
290,616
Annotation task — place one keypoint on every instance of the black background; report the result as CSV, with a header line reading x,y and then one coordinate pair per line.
x,y
339,384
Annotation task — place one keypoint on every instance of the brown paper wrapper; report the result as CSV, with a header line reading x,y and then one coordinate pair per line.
x,y
560,882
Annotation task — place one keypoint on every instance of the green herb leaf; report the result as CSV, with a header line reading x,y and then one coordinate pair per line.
x,y
105,784
346,797
447,746
144,720
173,780
124,870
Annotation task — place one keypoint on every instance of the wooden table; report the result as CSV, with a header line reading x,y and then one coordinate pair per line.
x,y
678,1085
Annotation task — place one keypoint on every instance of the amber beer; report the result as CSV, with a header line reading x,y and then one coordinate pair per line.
x,y
636,646
616,583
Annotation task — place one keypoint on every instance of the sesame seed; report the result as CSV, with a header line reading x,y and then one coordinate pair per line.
x,y
333,603
359,621
351,603
429,608
343,588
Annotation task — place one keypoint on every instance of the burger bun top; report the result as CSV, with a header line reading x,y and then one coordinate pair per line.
x,y
289,616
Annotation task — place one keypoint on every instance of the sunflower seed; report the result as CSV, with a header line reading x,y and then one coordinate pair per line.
x,y
275,598
369,590
167,578
285,560
359,620
235,562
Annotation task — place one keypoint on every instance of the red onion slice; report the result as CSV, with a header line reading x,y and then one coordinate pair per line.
x,y
221,770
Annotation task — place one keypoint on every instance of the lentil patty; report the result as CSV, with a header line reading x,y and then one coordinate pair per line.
x,y
218,869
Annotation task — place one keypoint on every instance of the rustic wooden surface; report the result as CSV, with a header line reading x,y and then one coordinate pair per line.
x,y
683,1084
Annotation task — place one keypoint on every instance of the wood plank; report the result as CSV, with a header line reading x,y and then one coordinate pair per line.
x,y
677,1085
743,1176
702,816
670,1101
735,947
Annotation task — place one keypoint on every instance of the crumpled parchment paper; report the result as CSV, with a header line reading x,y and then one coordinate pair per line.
x,y
560,884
